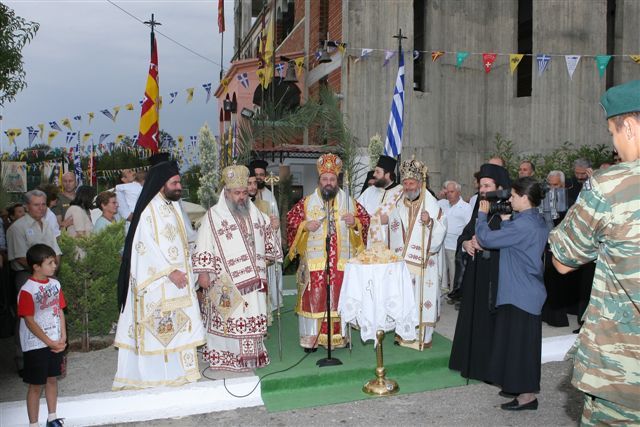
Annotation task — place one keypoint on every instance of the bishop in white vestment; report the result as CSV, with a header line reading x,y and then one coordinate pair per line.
x,y
417,228
160,326
234,243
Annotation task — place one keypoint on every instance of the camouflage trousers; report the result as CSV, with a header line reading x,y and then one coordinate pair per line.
x,y
598,412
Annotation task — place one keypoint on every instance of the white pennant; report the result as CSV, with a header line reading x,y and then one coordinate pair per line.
x,y
572,64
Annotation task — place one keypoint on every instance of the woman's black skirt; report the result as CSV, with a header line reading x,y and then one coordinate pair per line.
x,y
516,352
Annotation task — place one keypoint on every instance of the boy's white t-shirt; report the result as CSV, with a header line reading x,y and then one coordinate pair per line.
x,y
43,300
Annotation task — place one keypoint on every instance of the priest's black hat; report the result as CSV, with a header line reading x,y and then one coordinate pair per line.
x,y
159,157
495,172
258,164
252,171
387,163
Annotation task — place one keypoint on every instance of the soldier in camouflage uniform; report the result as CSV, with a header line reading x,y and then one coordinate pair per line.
x,y
605,225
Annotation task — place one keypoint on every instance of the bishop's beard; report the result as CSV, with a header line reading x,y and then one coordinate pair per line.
x,y
328,192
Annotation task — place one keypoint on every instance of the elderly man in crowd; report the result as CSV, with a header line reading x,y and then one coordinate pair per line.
x,y
458,213
555,179
526,168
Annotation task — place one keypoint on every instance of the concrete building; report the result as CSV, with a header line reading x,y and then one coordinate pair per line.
x,y
452,114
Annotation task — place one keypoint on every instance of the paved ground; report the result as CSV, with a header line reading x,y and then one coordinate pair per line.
x,y
473,405
477,404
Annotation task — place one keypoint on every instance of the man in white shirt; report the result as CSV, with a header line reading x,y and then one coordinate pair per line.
x,y
458,213
128,192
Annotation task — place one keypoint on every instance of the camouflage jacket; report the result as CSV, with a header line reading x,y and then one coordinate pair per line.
x,y
605,225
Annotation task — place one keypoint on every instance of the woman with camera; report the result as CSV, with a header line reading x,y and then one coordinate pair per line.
x,y
516,349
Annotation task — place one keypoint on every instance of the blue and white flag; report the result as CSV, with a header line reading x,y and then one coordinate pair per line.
x,y
280,69
543,61
108,114
77,118
54,125
393,142
103,136
244,79
32,134
207,87
173,96
70,136
77,166
193,139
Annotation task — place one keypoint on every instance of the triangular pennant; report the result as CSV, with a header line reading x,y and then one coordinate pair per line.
x,y
103,136
299,65
12,134
342,48
77,118
207,88
416,55
91,116
67,123
436,54
173,96
41,127
51,136
460,57
364,54
129,107
86,136
543,61
514,61
119,138
602,61
116,110
243,78
572,64
635,58
388,54
190,94
487,61
280,69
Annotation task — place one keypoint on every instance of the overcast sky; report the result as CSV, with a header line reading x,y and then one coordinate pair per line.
x,y
90,55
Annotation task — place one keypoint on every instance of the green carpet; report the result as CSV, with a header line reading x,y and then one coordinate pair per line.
x,y
307,385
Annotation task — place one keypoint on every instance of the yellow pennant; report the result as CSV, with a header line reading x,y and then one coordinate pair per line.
x,y
91,116
225,84
67,123
12,134
261,76
299,65
116,110
41,127
129,107
342,48
86,136
514,60
51,136
181,142
436,54
636,58
119,138
190,94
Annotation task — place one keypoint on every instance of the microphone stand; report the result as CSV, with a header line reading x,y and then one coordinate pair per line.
x,y
328,361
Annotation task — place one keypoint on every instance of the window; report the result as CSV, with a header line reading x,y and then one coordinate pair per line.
x,y
419,35
524,73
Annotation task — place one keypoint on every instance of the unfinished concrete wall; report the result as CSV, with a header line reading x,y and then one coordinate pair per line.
x,y
452,123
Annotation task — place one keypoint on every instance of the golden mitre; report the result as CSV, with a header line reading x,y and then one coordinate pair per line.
x,y
329,163
412,169
235,176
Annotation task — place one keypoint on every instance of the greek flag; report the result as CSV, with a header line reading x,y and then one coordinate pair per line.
x,y
77,167
70,137
173,97
393,142
280,69
54,125
244,79
32,134
207,87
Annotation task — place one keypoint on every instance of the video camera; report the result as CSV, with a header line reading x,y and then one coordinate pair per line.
x,y
499,202
553,205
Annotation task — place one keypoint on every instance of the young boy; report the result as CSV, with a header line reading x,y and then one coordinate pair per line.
x,y
42,332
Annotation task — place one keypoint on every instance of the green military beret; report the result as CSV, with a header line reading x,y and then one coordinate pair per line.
x,y
621,99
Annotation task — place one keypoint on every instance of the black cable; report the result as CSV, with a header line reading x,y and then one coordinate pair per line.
x,y
166,36
224,380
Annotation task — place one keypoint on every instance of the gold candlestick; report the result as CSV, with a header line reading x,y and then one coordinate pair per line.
x,y
380,386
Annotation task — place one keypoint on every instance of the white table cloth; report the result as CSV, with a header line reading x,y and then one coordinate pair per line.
x,y
378,296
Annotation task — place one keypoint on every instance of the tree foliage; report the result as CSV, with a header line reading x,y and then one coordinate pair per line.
x,y
209,167
561,158
15,33
90,281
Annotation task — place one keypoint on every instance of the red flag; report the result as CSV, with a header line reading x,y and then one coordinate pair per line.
x,y
487,61
221,16
149,117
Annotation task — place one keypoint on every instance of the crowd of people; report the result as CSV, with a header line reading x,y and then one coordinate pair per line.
x,y
503,258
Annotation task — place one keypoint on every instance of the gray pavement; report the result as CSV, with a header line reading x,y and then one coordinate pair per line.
x,y
473,405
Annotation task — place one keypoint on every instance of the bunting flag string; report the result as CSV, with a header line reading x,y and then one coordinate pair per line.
x,y
67,123
543,61
190,94
207,87
387,57
487,60
572,64
514,61
602,61
436,54
460,57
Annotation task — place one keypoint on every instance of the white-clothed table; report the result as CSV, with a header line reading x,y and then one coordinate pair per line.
x,y
378,296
